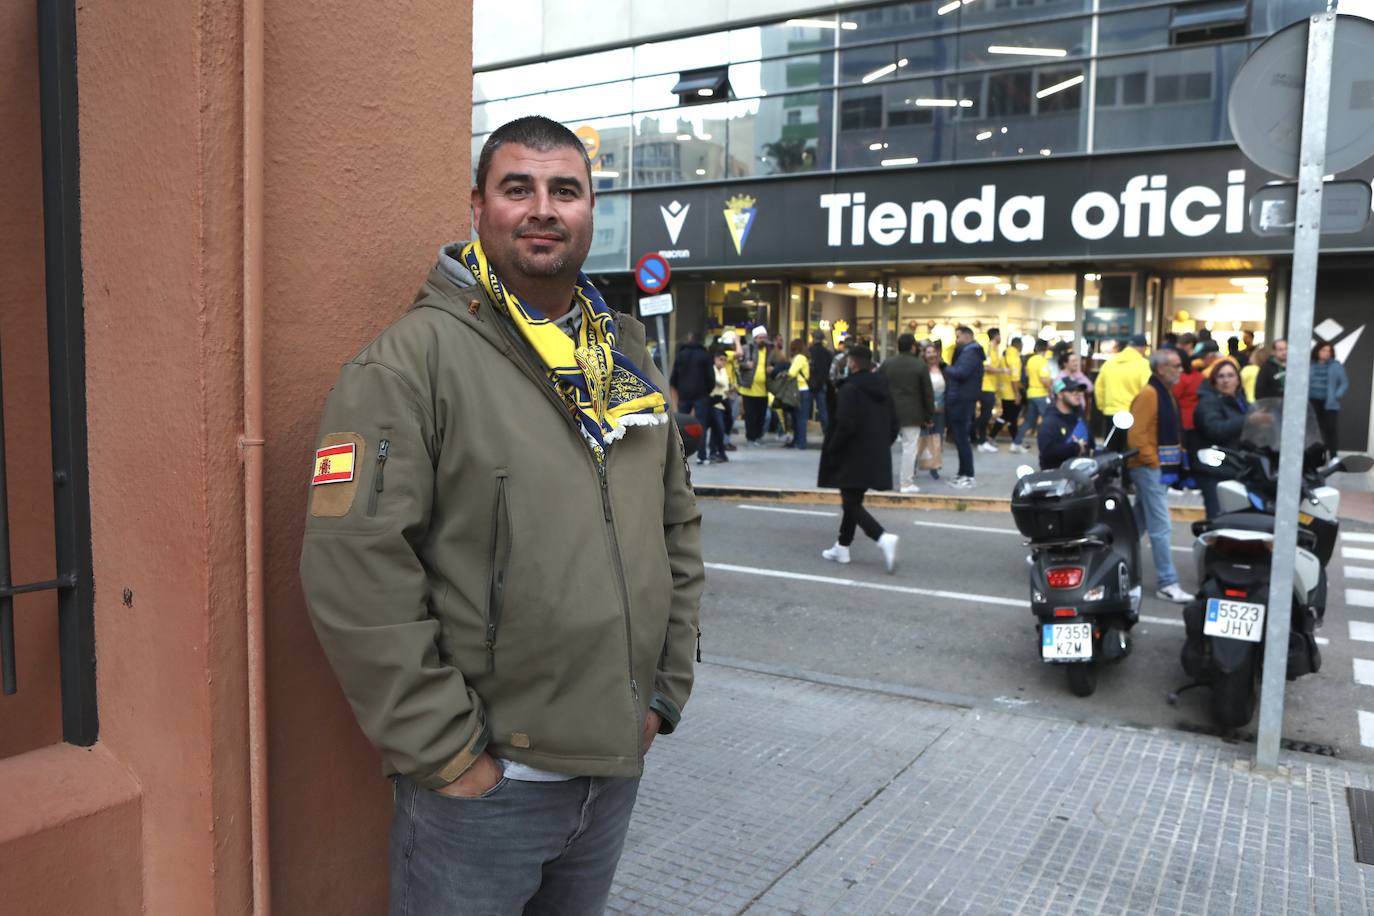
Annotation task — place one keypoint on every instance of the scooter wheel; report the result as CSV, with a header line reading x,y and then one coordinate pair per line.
x,y
1082,678
1233,697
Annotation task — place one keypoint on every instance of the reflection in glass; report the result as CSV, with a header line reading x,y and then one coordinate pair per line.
x,y
1036,112
780,134
982,13
787,74
608,147
682,144
1024,43
585,69
682,54
899,123
861,64
898,20
1134,31
1175,98
588,102
611,234
782,38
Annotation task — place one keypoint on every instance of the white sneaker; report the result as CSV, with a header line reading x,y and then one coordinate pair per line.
x,y
887,543
1173,593
911,488
1017,449
963,483
838,553
989,448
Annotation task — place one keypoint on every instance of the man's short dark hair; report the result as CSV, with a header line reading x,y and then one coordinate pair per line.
x,y
861,355
1040,346
1015,342
964,329
906,343
993,332
535,132
818,336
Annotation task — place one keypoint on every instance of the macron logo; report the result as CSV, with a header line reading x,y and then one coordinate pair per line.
x,y
674,215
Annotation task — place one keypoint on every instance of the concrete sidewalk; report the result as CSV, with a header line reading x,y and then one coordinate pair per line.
x,y
782,794
773,467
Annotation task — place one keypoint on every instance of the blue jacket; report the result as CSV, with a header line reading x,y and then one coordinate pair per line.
x,y
1336,384
964,375
1059,436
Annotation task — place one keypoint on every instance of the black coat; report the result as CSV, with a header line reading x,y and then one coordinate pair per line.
x,y
821,357
694,374
858,445
1269,382
1219,420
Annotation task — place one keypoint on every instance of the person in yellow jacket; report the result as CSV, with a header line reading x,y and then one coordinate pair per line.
x,y
1009,391
1122,377
994,368
1039,372
753,384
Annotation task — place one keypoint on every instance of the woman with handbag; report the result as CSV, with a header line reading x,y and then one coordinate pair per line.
x,y
931,449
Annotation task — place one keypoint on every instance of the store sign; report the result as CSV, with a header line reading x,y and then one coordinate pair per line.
x,y
1187,204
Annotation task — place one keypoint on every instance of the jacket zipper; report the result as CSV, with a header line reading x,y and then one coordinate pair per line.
x,y
601,472
383,449
497,563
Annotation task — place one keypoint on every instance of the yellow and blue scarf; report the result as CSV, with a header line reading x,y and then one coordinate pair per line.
x,y
602,387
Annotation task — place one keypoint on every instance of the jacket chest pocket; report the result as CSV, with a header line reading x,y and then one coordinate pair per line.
x,y
498,562
379,471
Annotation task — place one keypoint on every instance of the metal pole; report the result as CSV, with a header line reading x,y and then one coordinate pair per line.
x,y
1307,237
662,346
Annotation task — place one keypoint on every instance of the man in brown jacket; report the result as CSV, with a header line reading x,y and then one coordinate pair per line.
x,y
1158,434
502,555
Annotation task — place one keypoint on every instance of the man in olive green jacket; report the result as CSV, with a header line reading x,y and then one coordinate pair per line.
x,y
507,590
914,397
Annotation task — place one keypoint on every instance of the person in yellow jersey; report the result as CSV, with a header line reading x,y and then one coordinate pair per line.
x,y
753,384
1038,371
1122,378
1009,392
994,368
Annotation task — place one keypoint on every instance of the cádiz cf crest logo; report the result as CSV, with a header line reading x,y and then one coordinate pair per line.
x,y
739,217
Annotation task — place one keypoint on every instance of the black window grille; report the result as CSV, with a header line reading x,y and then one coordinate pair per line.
x,y
67,392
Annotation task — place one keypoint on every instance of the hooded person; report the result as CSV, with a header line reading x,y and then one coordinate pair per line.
x,y
857,454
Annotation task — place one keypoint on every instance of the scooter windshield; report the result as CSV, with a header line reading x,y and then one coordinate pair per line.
x,y
1264,426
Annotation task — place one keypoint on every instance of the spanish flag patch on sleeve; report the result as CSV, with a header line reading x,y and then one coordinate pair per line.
x,y
334,464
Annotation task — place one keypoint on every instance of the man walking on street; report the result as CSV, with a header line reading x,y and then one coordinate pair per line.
x,y
821,357
1037,394
1158,435
694,375
909,378
963,386
857,455
502,556
1269,382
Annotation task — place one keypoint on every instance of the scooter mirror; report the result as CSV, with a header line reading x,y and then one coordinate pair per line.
x,y
1356,464
1024,470
1212,457
1123,420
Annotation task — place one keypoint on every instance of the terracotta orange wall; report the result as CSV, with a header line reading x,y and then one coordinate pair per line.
x,y
368,136
366,174
32,717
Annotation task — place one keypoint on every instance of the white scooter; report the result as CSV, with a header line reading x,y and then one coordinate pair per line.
x,y
1234,552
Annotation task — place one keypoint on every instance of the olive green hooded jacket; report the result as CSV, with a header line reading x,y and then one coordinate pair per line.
x,y
479,581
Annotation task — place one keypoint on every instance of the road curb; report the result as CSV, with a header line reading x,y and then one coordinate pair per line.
x,y
888,499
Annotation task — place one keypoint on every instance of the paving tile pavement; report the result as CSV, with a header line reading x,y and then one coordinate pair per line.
x,y
786,796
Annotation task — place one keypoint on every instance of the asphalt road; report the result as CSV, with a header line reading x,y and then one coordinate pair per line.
x,y
953,623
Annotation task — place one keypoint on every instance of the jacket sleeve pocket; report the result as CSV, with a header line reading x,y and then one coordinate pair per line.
x,y
367,591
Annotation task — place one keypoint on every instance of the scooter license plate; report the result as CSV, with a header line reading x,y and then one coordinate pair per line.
x,y
1066,641
1234,620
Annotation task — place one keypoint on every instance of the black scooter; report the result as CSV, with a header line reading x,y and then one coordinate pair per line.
x,y
1084,559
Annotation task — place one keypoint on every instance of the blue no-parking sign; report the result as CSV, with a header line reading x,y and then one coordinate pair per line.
x,y
652,273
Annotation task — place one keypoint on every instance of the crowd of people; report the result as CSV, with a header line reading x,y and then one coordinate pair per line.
x,y
1184,394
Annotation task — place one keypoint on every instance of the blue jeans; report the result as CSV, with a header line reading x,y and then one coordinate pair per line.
x,y
522,848
1035,409
799,418
1152,514
960,417
818,402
